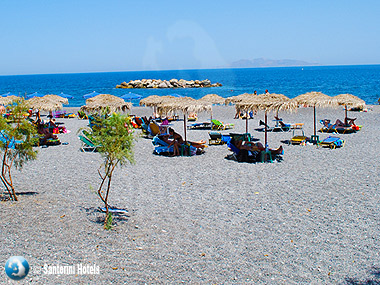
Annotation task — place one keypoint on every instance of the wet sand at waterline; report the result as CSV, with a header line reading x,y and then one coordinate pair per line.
x,y
311,218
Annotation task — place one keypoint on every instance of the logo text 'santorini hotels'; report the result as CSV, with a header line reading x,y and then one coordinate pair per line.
x,y
79,269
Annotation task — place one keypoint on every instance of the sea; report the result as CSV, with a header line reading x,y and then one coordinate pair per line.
x,y
360,80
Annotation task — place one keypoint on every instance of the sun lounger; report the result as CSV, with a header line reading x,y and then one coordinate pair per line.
x,y
217,125
242,155
4,139
216,138
299,139
277,128
339,129
332,142
199,126
161,147
87,144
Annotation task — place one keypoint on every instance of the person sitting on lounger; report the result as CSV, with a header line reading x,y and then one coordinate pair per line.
x,y
43,131
282,124
174,143
178,138
51,124
349,122
338,124
252,146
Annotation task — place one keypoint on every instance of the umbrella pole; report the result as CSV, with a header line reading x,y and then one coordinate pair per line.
x,y
246,122
315,126
184,125
266,140
314,138
345,113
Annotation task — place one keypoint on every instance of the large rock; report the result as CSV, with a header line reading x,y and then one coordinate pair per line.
x,y
172,83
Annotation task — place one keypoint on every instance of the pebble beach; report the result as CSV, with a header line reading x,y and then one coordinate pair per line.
x,y
312,218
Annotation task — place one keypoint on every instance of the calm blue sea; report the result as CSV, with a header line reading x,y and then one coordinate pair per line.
x,y
362,81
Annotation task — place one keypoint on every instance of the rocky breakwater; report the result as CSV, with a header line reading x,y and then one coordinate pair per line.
x,y
172,83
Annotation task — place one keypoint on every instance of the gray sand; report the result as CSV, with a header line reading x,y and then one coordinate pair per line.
x,y
312,218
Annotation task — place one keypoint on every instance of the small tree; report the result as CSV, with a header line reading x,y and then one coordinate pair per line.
x,y
17,138
116,140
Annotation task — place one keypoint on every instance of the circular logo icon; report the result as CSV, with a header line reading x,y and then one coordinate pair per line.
x,y
17,267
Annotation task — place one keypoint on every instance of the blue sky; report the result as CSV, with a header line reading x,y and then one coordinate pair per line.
x,y
92,36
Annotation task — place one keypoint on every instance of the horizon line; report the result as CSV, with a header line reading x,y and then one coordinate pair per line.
x,y
190,69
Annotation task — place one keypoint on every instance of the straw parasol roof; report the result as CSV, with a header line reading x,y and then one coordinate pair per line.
x,y
184,105
155,100
57,98
315,99
213,99
239,98
8,100
103,101
349,100
280,97
44,104
150,100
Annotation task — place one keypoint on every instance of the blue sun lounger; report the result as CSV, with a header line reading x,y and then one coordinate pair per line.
x,y
332,142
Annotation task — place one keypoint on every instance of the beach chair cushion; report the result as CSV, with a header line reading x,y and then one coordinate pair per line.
x,y
220,125
298,139
154,128
332,142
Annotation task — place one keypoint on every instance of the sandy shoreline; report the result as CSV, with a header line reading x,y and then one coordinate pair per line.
x,y
312,218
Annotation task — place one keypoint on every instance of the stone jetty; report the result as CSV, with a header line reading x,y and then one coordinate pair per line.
x,y
172,83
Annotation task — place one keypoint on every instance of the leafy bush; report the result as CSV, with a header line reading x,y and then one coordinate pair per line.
x,y
115,138
17,138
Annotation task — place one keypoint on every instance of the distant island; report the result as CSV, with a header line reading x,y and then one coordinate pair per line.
x,y
264,62
172,83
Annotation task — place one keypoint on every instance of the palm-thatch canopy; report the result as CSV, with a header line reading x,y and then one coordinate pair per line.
x,y
213,99
239,98
104,101
349,100
315,99
57,98
183,104
150,100
44,104
280,97
8,100
155,100
266,103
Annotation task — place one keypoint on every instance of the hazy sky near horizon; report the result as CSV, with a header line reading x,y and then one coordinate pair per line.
x,y
94,36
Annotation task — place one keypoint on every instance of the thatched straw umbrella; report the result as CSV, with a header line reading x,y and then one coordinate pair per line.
x,y
104,101
213,99
8,100
60,99
349,100
185,105
155,100
267,104
245,97
274,96
43,103
315,99
239,98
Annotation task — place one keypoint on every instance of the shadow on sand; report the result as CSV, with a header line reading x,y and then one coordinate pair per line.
x,y
373,280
